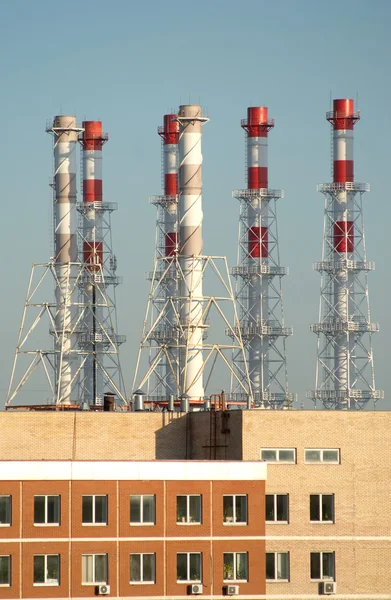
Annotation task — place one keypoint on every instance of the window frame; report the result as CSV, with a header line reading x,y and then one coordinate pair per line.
x,y
9,570
46,523
142,581
94,582
234,521
277,579
321,460
321,520
276,520
188,569
322,576
142,522
277,460
185,519
93,515
235,578
9,496
47,582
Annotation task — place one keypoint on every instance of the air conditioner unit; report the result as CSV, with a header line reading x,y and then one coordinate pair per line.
x,y
195,588
232,590
103,590
329,587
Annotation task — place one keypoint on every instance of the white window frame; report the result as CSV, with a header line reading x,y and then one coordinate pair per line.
x,y
275,520
234,521
278,459
9,570
321,456
94,582
322,520
46,523
185,520
277,579
322,576
234,577
93,522
141,581
10,510
47,582
142,522
188,555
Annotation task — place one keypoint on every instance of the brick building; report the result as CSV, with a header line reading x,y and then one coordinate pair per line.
x,y
328,500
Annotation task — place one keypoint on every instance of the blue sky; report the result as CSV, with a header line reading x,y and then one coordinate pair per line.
x,y
127,63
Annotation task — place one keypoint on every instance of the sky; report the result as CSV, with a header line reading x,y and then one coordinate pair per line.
x,y
127,63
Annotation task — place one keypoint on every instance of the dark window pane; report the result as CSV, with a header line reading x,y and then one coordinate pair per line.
x,y
39,509
52,574
5,510
148,509
282,565
5,570
269,508
100,509
270,565
282,507
241,566
39,569
330,455
53,504
181,566
241,509
228,565
135,567
315,565
181,509
328,564
286,456
101,568
327,508
135,513
312,455
87,509
314,507
195,567
149,567
228,507
270,455
195,509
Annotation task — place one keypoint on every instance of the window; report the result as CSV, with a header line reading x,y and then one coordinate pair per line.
x,y
235,509
94,568
188,509
142,510
94,510
322,508
322,565
5,510
5,570
47,569
188,567
235,566
321,455
46,510
277,566
142,568
279,455
277,508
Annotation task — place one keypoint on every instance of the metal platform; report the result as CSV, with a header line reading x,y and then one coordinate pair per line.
x,y
344,326
259,193
331,266
348,186
247,271
251,330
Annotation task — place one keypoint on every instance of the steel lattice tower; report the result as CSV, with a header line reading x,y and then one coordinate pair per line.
x,y
345,376
259,274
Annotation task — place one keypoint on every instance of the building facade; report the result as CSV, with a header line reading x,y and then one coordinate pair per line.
x,y
148,529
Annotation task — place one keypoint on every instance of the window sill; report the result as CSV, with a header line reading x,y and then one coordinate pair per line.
x,y
277,580
142,524
232,581
189,523
94,583
325,579
191,581
46,524
4,585
94,524
277,522
142,582
322,522
230,524
56,584
5,524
